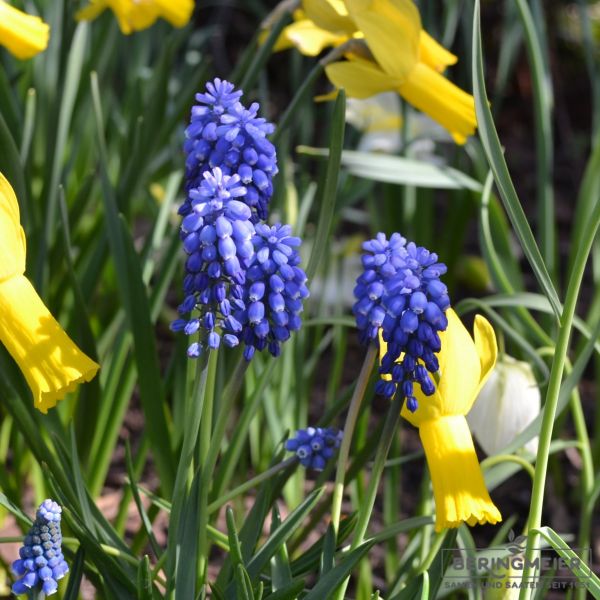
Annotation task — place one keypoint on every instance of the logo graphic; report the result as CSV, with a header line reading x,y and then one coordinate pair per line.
x,y
502,567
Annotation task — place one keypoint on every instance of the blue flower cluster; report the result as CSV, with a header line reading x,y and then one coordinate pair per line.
x,y
314,446
216,235
225,134
275,290
42,563
243,278
400,292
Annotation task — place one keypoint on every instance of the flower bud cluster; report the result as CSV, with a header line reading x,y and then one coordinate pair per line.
x,y
41,563
224,133
314,446
400,294
243,278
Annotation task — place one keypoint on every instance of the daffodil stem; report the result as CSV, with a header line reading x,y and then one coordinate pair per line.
x,y
349,425
500,458
433,550
367,503
552,395
587,471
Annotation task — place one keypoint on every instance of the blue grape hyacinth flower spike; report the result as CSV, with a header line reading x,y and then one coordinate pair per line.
x,y
224,133
314,446
400,296
41,563
217,237
274,292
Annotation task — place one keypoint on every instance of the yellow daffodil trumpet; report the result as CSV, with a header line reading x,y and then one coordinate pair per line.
x,y
135,15
51,363
464,365
23,35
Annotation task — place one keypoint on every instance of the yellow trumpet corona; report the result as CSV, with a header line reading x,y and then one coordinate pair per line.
x,y
51,363
465,364
23,35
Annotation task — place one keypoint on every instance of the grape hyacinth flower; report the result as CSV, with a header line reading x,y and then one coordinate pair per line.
x,y
217,236
400,293
274,291
314,446
224,133
41,563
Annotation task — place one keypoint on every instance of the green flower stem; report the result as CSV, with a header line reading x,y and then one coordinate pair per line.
x,y
433,550
204,449
549,411
587,472
228,397
489,462
353,410
367,503
219,502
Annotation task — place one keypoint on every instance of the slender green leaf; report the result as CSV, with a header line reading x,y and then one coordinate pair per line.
x,y
282,533
399,170
75,575
327,585
495,157
144,579
328,197
578,567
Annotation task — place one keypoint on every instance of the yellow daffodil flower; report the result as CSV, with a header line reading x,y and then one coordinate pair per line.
x,y
465,364
51,363
23,35
135,15
405,58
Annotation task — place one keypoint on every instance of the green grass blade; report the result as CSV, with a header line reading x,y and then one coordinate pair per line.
x,y
581,570
495,157
281,534
542,104
75,575
399,170
330,582
328,197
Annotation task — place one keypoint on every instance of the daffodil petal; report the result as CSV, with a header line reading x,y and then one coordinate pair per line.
x,y
360,78
142,15
308,38
458,486
444,102
91,11
460,369
434,54
50,361
487,348
391,29
12,236
331,15
23,35
176,12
